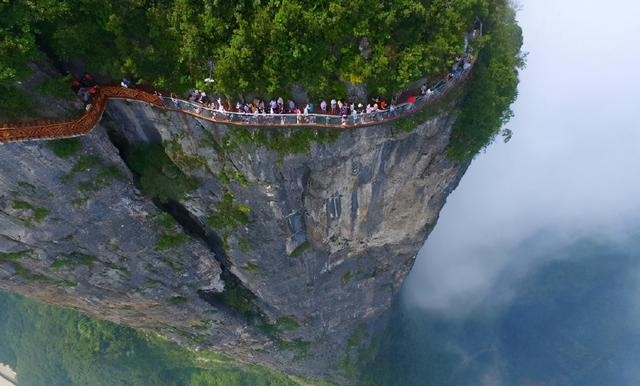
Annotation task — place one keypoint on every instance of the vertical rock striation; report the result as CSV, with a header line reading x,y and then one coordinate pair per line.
x,y
291,256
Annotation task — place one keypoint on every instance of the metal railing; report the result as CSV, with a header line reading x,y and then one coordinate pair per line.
x,y
49,130
312,119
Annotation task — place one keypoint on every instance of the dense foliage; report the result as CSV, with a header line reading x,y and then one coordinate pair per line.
x,y
52,346
264,47
256,45
493,86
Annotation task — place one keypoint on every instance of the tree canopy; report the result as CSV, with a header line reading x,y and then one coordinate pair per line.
x,y
264,47
493,87
256,45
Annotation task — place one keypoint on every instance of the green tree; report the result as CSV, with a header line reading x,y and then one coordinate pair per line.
x,y
493,86
58,347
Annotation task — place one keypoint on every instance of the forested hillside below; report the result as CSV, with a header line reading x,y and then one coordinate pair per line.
x,y
53,346
281,247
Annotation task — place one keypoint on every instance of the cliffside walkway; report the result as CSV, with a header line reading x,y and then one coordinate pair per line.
x,y
42,130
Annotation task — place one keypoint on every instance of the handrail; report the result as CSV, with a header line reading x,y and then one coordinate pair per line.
x,y
311,120
84,124
80,126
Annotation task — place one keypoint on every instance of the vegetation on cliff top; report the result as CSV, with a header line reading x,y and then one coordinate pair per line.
x,y
255,45
493,87
267,46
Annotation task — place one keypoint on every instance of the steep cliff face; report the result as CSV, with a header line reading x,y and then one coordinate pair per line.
x,y
289,258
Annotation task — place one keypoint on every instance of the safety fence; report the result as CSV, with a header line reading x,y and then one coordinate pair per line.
x,y
50,130
354,119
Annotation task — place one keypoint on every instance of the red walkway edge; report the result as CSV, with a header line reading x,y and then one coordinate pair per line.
x,y
83,125
80,126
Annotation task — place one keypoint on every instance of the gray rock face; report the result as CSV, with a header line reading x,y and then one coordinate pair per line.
x,y
76,232
320,240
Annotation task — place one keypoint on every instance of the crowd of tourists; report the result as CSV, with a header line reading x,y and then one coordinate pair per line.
x,y
304,113
85,88
336,110
279,111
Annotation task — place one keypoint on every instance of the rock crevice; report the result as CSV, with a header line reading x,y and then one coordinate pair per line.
x,y
274,256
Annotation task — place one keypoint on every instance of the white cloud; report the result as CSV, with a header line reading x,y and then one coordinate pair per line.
x,y
571,166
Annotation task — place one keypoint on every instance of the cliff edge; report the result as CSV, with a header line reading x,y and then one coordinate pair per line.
x,y
276,246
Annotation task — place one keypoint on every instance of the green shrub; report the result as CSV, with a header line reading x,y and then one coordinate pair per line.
x,y
227,215
151,283
15,103
182,159
57,87
286,323
166,221
293,345
346,278
105,173
73,259
29,275
158,177
176,300
109,172
243,244
285,141
40,213
170,240
66,147
300,249
85,163
13,256
19,204
492,87
84,259
251,267
59,263
239,300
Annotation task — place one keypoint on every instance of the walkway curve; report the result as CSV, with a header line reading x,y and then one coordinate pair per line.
x,y
43,131
83,125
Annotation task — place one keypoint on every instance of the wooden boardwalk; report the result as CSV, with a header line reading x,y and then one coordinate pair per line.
x,y
29,131
51,130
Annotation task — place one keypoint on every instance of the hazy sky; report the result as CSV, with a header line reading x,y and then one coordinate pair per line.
x,y
571,167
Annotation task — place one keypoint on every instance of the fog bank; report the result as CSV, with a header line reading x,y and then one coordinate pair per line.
x,y
568,172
